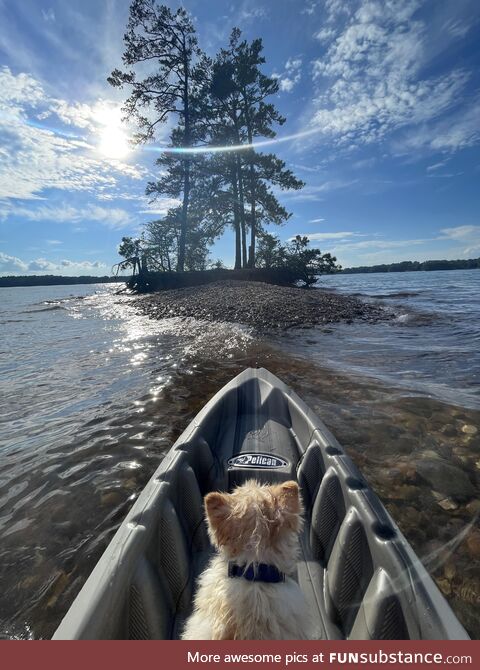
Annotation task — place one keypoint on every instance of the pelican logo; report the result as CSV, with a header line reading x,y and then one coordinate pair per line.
x,y
263,461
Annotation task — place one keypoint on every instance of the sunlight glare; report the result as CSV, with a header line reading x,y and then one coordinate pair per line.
x,y
113,141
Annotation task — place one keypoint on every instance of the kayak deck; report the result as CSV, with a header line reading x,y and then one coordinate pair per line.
x,y
361,578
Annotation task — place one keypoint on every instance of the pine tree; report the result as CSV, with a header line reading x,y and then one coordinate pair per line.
x,y
166,39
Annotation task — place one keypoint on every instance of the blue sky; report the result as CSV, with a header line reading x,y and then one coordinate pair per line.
x,y
382,100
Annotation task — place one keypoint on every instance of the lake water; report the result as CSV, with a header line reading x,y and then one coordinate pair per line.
x,y
94,394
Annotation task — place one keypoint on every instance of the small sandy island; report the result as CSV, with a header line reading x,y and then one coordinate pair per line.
x,y
263,306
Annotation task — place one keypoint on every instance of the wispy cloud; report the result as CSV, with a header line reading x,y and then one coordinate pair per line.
x,y
291,76
48,15
468,236
317,191
111,217
370,80
436,166
341,236
460,130
160,207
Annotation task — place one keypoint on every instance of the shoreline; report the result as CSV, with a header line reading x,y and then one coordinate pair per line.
x,y
262,306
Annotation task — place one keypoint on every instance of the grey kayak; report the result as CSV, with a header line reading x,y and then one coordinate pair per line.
x,y
360,576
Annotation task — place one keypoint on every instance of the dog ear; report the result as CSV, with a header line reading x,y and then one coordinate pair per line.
x,y
289,496
217,507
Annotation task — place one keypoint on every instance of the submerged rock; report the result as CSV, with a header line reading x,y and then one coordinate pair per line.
x,y
446,478
473,544
473,507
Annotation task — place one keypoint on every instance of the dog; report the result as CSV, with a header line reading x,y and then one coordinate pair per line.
x,y
247,592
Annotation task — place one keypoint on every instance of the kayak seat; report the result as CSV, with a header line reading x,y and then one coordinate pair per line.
x,y
327,516
342,572
311,469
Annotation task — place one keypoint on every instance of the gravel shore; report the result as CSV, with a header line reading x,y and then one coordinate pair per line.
x,y
263,306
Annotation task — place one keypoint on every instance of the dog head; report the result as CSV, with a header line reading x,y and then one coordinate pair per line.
x,y
256,523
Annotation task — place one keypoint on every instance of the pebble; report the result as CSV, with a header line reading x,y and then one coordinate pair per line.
x,y
111,498
429,453
450,570
468,429
473,544
447,504
473,507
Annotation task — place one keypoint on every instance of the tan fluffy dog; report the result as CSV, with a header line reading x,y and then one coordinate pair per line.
x,y
255,530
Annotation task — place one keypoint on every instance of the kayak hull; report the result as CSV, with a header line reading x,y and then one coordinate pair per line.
x,y
360,576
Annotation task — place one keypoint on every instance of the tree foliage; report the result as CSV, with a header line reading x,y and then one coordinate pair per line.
x,y
306,262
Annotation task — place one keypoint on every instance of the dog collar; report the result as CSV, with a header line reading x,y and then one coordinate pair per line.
x,y
258,572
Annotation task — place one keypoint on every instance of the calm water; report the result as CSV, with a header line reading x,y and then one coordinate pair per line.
x,y
94,394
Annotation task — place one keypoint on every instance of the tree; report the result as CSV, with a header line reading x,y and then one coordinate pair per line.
x,y
235,113
309,263
306,264
254,88
131,250
161,240
270,252
155,34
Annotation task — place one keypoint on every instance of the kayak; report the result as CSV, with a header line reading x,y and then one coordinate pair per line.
x,y
361,578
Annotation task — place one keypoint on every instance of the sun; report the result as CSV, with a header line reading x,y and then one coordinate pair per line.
x,y
112,139
113,143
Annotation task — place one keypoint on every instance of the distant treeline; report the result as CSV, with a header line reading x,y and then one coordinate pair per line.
x,y
49,280
411,266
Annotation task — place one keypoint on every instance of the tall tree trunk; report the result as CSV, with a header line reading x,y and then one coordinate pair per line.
x,y
184,221
253,218
186,166
253,212
236,223
241,204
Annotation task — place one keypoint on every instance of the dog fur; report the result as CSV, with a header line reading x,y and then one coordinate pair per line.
x,y
254,524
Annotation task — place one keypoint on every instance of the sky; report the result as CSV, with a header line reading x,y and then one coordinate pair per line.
x,y
382,100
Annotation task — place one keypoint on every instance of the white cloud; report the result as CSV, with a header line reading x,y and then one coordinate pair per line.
x,y
83,265
457,28
370,79
319,237
41,265
249,13
112,217
48,15
54,243
310,8
382,244
460,232
316,191
460,130
325,34
316,220
161,206
436,166
11,264
291,75
449,243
